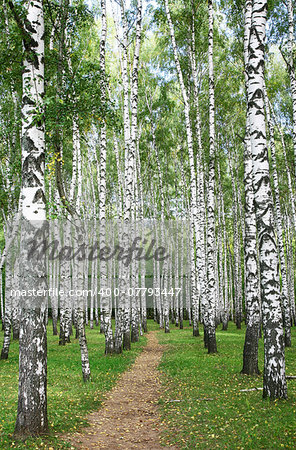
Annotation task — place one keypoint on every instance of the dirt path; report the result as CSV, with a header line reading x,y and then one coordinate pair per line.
x,y
129,418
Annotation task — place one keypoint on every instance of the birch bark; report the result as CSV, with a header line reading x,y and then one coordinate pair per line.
x,y
32,396
210,315
252,292
279,226
132,166
193,185
291,70
105,304
274,380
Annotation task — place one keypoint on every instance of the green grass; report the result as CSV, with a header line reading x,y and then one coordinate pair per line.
x,y
69,399
210,411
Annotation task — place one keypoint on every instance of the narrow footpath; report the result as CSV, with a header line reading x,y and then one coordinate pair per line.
x,y
129,417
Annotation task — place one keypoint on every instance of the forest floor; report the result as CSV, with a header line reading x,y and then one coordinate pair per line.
x,y
70,400
207,403
184,397
129,418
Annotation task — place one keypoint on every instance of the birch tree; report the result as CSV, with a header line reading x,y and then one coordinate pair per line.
x,y
32,397
106,310
210,314
274,380
279,226
252,305
193,185
291,69
132,158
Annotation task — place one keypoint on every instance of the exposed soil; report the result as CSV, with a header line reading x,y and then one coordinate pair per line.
x,y
129,417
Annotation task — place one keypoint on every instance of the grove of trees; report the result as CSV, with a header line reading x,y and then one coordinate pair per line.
x,y
169,124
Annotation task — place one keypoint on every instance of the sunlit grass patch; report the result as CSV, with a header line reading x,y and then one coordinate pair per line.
x,y
202,405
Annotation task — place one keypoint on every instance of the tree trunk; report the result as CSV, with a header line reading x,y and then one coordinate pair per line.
x,y
250,355
274,380
195,238
210,316
279,227
291,70
32,397
106,311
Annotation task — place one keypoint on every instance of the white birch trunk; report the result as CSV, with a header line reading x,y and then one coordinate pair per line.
x,y
225,312
291,262
74,165
210,313
1,297
292,202
78,284
279,227
106,311
32,396
193,184
274,381
7,318
252,291
252,305
291,70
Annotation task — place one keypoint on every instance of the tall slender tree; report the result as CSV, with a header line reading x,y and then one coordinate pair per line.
x,y
193,184
32,394
279,226
274,380
252,305
106,310
210,315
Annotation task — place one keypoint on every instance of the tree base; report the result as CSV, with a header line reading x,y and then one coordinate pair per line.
x,y
109,347
24,433
144,326
224,326
86,378
4,355
117,349
274,390
195,332
206,338
288,341
135,335
250,355
212,344
126,341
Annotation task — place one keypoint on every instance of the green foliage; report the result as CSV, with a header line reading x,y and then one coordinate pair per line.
x,y
73,82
